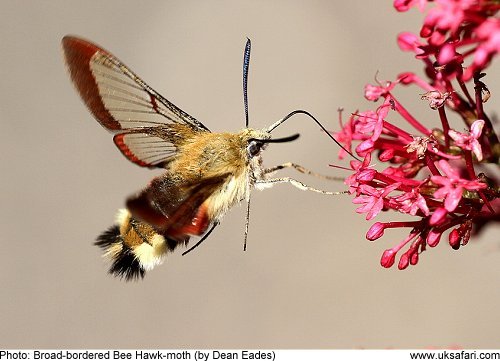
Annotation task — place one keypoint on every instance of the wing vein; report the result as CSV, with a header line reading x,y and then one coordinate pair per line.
x,y
118,80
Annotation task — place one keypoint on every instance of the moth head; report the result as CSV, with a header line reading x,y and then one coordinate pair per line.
x,y
256,140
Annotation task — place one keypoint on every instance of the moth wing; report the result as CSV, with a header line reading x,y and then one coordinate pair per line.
x,y
174,208
123,103
152,147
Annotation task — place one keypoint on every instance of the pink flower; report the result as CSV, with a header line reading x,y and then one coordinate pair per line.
x,y
470,141
410,42
488,33
345,136
362,173
452,186
435,182
405,5
446,17
447,54
378,126
372,199
374,92
411,202
364,123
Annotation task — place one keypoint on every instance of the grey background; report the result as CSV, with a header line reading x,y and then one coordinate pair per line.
x,y
309,279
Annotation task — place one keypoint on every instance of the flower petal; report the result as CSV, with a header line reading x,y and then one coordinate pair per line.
x,y
476,128
453,198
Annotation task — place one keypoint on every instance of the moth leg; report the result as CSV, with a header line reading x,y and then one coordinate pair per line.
x,y
202,239
247,224
295,183
301,169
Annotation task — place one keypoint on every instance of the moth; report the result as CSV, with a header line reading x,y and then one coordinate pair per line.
x,y
205,173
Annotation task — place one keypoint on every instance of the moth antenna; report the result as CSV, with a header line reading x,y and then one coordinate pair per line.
x,y
205,236
246,65
247,223
300,111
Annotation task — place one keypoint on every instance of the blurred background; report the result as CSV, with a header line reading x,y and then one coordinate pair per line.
x,y
309,278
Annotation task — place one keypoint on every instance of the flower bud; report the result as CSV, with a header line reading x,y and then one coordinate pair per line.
x,y
376,231
414,259
446,54
365,147
406,78
386,155
454,239
433,238
366,175
404,261
438,216
407,41
388,258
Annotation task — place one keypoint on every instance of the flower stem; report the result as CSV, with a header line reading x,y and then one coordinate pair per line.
x,y
445,125
414,122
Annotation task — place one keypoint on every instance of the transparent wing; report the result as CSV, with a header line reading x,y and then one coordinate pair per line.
x,y
121,101
144,149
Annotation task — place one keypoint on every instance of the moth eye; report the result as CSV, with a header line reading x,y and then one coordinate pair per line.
x,y
254,148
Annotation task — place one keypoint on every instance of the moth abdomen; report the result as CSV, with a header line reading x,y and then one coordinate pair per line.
x,y
133,247
124,263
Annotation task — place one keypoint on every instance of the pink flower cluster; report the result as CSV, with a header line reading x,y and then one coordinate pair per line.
x,y
431,175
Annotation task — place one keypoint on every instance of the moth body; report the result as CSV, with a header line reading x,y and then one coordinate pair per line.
x,y
204,175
